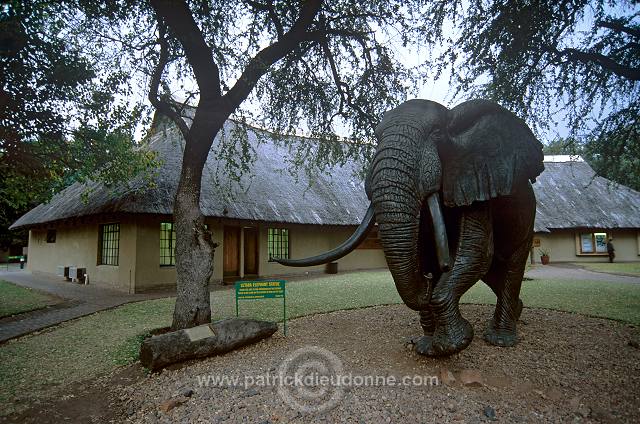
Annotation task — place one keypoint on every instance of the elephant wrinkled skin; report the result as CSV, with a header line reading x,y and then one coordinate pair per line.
x,y
451,193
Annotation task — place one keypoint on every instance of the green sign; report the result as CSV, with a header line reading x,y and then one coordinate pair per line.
x,y
263,289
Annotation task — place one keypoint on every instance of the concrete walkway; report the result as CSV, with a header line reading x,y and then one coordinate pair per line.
x,y
85,300
575,272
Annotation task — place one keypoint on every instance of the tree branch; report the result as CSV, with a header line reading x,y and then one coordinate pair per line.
x,y
334,72
266,57
178,17
618,27
156,78
605,62
272,14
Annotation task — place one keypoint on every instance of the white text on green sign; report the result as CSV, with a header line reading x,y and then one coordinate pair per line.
x,y
259,289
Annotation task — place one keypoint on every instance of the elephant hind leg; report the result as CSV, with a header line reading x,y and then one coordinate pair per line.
x,y
505,279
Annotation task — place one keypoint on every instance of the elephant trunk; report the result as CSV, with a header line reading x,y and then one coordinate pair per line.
x,y
405,173
399,240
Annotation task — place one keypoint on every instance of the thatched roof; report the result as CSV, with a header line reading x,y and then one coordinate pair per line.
x,y
271,193
568,192
570,195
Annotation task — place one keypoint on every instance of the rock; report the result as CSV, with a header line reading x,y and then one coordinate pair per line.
x,y
203,341
554,394
451,406
490,413
524,387
574,402
602,415
500,382
471,378
251,392
169,404
446,376
633,343
584,411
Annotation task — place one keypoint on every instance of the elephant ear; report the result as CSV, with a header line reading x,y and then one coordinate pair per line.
x,y
488,153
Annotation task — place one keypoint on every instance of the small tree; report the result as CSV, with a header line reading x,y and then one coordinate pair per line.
x,y
309,64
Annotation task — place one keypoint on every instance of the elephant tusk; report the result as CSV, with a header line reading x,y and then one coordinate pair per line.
x,y
439,232
346,247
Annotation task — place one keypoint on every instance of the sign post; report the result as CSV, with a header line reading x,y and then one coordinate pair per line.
x,y
263,289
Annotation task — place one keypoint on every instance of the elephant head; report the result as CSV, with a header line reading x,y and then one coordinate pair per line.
x,y
428,155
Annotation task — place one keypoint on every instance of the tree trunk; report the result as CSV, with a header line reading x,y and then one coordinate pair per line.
x,y
194,247
207,340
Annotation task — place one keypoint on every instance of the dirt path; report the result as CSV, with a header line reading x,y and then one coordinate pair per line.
x,y
567,368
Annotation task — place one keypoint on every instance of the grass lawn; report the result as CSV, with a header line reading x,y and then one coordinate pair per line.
x,y
631,268
15,299
77,350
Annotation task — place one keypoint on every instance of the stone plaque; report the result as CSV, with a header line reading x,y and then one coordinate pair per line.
x,y
200,332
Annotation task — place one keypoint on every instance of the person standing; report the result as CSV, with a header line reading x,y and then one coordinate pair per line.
x,y
611,250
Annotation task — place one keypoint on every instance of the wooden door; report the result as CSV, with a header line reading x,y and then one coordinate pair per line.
x,y
231,252
250,251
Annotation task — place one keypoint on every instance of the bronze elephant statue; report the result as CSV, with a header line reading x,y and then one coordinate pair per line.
x,y
451,193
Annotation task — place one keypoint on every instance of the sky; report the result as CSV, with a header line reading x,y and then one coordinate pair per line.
x,y
438,90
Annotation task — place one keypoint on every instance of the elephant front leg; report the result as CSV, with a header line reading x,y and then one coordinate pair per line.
x,y
428,324
452,332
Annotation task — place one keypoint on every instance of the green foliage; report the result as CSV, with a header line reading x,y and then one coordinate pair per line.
x,y
343,72
563,146
60,119
614,149
575,61
534,55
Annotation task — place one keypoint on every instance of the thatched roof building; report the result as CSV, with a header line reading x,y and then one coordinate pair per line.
x,y
127,240
270,192
569,193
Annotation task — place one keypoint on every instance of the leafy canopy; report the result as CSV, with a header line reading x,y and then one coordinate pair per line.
x,y
337,76
572,62
59,119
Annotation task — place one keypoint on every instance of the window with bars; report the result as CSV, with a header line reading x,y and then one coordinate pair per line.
x,y
167,244
278,243
109,244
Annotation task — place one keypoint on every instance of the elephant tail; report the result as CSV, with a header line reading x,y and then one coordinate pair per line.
x,y
351,243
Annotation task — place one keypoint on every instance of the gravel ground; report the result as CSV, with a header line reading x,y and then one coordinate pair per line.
x,y
566,368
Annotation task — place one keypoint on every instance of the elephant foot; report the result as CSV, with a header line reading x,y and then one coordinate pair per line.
x,y
446,340
500,336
